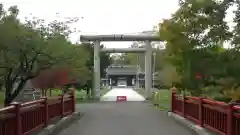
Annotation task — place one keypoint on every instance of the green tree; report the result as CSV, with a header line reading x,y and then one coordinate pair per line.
x,y
236,31
104,63
192,35
27,48
134,59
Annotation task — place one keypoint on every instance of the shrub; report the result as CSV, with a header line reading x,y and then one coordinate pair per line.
x,y
223,99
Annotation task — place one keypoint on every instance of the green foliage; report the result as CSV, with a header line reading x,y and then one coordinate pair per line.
x,y
194,45
236,32
223,99
105,62
28,48
162,99
105,58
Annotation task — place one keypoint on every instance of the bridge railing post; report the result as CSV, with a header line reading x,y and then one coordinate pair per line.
x,y
73,96
230,119
18,117
200,113
173,97
183,104
62,105
45,103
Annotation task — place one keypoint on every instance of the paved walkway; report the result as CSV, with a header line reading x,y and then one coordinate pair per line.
x,y
130,118
128,92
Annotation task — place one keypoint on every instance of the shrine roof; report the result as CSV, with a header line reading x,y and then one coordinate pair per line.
x,y
122,70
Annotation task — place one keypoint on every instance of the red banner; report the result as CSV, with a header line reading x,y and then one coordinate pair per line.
x,y
121,98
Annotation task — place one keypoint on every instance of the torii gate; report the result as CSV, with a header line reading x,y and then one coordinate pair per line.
x,y
147,50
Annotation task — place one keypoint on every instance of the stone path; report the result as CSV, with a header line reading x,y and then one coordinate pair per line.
x,y
129,118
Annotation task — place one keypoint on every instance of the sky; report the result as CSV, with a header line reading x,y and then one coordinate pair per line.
x,y
101,16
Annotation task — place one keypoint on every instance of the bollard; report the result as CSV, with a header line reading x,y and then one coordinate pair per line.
x,y
155,99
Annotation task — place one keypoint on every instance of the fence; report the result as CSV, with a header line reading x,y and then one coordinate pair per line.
x,y
217,116
22,119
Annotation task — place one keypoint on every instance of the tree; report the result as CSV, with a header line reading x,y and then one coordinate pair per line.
x,y
28,48
236,31
51,78
193,36
134,59
105,62
168,76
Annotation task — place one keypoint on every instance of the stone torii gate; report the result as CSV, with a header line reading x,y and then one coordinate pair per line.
x,y
147,50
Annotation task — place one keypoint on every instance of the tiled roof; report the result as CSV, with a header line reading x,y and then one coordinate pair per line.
x,y
121,70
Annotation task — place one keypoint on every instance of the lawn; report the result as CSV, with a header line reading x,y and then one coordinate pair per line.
x,y
80,95
163,99
104,91
1,98
140,91
165,96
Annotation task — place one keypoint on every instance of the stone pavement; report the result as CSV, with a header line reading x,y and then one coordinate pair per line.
x,y
129,118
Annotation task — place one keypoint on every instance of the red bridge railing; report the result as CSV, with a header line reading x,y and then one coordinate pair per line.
x,y
22,119
217,116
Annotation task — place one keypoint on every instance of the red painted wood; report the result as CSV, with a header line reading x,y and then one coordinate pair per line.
x,y
217,116
23,119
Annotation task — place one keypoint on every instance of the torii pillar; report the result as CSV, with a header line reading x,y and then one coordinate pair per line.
x,y
148,68
97,70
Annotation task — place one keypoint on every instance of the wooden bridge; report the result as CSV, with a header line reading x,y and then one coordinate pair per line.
x,y
26,118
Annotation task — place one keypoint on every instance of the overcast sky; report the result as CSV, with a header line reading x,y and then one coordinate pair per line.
x,y
101,16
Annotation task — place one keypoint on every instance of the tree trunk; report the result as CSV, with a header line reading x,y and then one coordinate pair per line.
x,y
45,92
50,92
92,93
88,92
8,100
8,90
42,92
10,95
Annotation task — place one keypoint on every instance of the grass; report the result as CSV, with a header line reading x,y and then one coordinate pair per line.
x,y
140,91
165,96
162,99
80,96
104,91
1,98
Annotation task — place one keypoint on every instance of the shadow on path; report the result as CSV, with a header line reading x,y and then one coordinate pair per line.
x,y
129,118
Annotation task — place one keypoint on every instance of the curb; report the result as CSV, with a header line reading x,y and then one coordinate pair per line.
x,y
199,130
60,125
